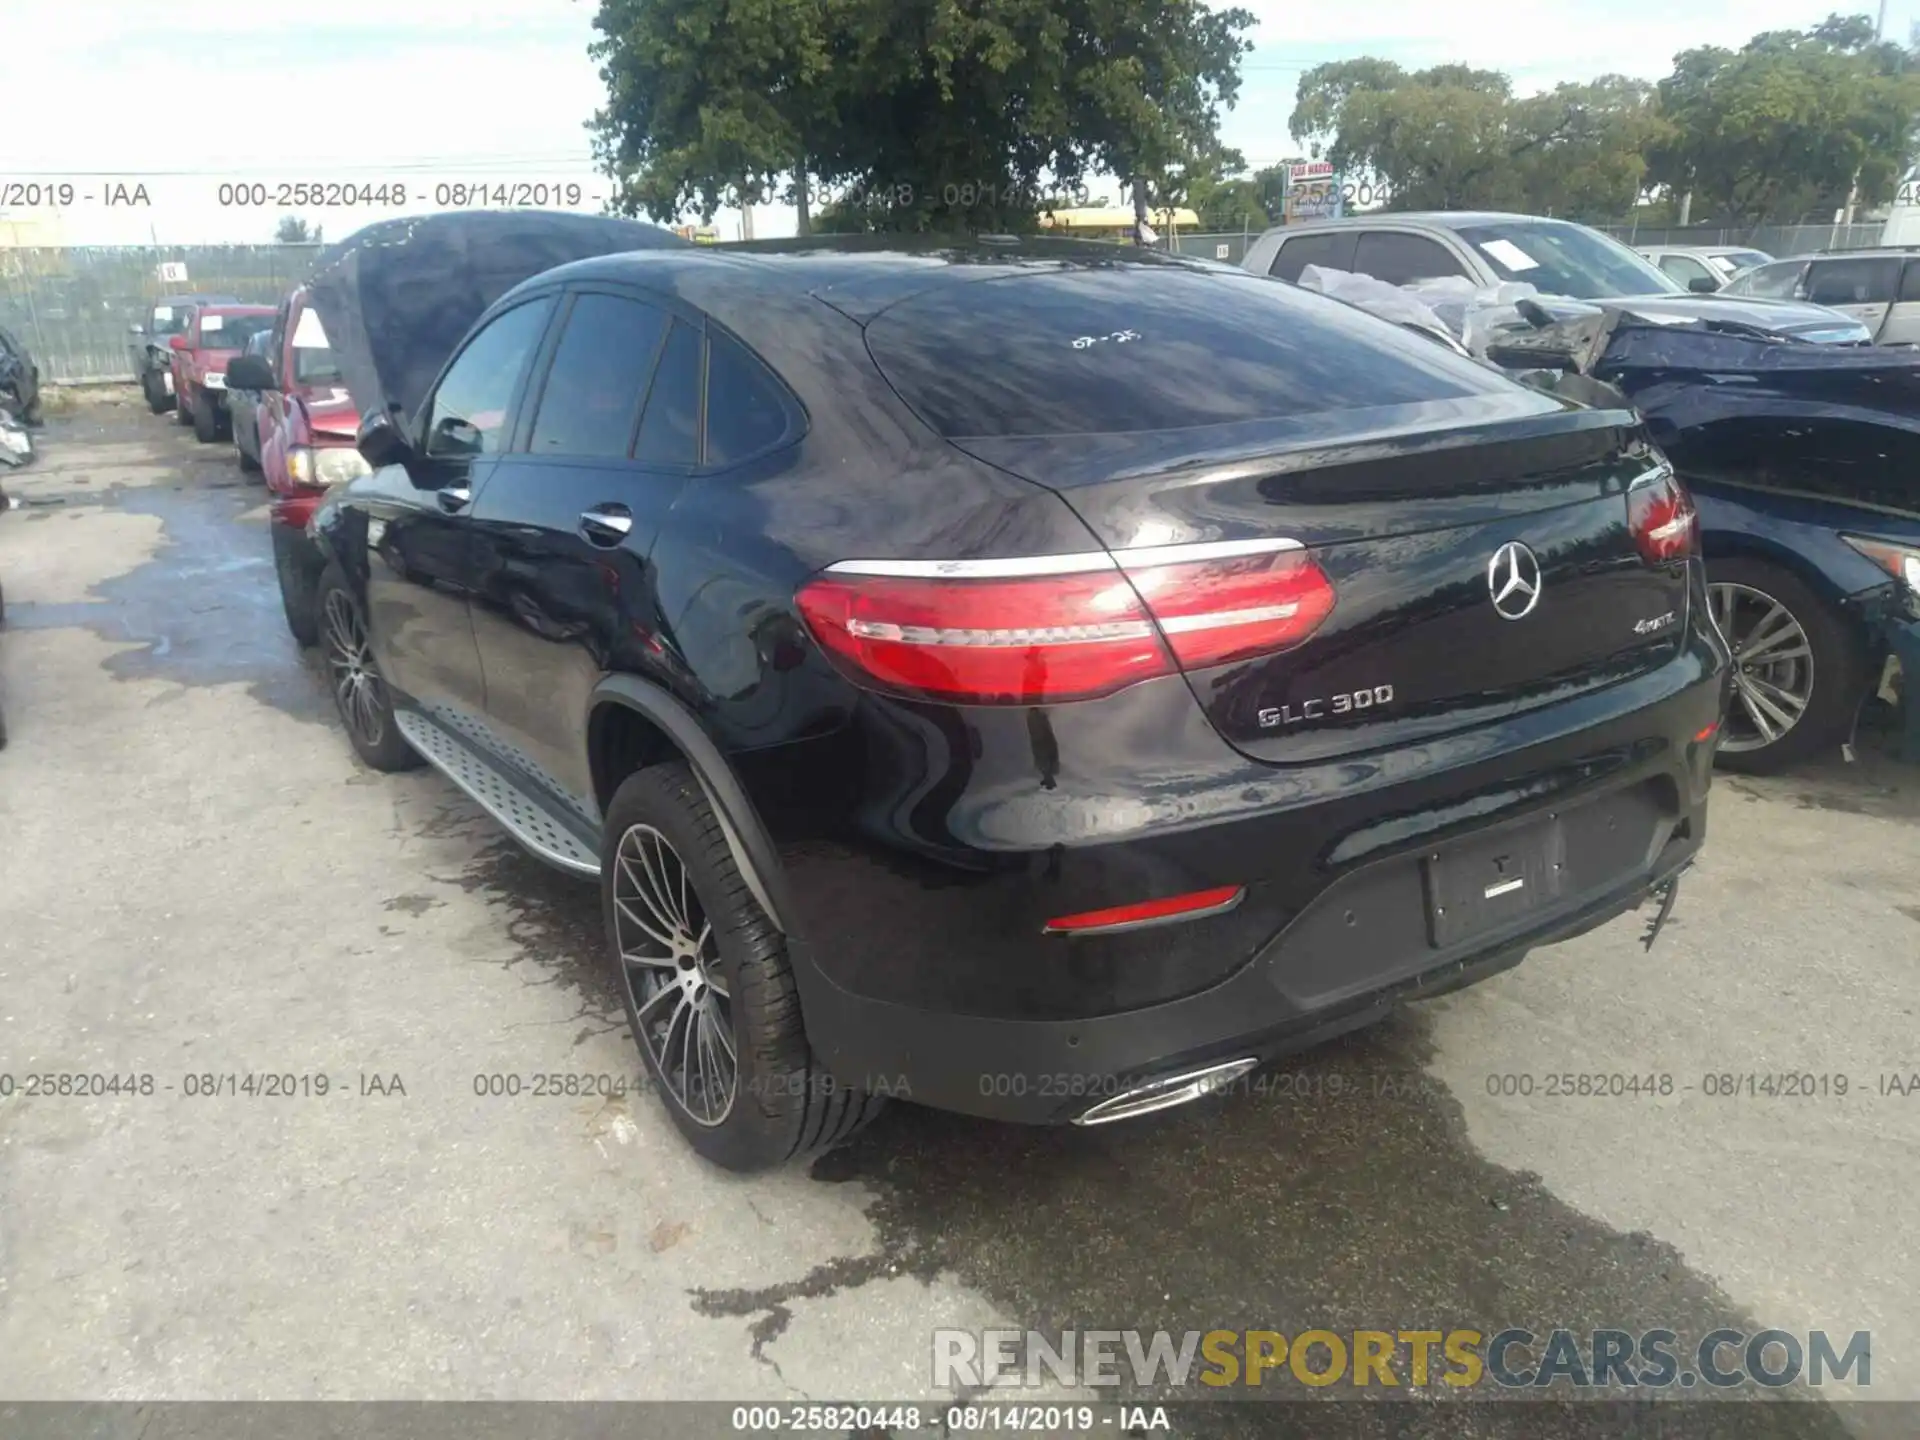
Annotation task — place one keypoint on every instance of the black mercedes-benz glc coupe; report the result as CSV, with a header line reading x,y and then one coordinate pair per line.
x,y
1043,680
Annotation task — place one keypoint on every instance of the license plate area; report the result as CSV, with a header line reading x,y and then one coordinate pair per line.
x,y
1487,882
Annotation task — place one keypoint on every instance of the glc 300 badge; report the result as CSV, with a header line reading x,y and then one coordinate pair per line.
x,y
1326,708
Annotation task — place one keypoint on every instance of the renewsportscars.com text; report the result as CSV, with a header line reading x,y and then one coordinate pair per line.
x,y
1512,1358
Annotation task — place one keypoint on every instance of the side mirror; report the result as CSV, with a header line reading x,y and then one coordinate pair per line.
x,y
176,342
380,441
249,372
455,438
1703,285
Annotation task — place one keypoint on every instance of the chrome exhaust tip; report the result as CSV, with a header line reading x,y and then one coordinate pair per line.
x,y
1165,1092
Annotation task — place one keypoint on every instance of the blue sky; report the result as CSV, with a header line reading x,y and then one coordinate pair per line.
x,y
182,97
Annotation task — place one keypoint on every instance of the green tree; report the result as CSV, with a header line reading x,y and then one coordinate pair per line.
x,y
292,230
930,112
1783,127
1454,137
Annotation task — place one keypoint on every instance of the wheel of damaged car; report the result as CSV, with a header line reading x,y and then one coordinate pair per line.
x,y
206,418
360,695
158,400
1797,666
708,988
296,563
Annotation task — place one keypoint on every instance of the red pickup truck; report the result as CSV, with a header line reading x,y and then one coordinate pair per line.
x,y
213,338
307,422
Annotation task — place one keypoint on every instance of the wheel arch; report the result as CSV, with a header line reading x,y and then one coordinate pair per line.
x,y
1746,545
668,730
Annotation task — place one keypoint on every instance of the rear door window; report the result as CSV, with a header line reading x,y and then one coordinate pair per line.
x,y
598,378
1400,259
670,428
1148,347
1329,249
745,415
1870,281
1910,283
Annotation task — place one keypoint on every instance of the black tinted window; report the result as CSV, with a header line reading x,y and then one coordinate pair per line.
x,y
670,433
1398,259
1333,250
469,415
598,378
1853,282
744,413
1910,281
1147,347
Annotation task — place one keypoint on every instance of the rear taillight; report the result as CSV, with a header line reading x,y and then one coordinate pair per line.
x,y
1661,516
1063,627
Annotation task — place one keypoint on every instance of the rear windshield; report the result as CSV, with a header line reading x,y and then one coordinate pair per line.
x,y
1135,348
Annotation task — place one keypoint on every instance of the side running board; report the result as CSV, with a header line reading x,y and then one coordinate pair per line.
x,y
526,817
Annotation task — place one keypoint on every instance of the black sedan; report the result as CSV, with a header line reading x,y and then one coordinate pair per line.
x,y
1045,682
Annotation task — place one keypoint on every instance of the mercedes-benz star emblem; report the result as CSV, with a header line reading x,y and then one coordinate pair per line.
x,y
1513,579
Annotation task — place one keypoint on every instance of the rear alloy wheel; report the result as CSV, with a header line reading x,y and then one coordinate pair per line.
x,y
709,990
359,693
1796,667
674,979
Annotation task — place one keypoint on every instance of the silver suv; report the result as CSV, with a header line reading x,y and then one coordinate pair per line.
x,y
1556,257
1880,288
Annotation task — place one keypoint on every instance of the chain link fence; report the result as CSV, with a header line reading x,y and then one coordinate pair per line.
x,y
72,306
1780,240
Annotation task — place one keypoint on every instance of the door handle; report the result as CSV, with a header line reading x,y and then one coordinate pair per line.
x,y
606,525
454,498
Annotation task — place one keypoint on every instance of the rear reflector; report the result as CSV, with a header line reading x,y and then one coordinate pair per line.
x,y
1066,627
1661,516
1191,906
1706,733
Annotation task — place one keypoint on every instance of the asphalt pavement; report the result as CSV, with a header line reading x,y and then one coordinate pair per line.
x,y
200,883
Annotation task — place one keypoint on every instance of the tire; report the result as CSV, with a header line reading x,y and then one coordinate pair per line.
x,y
1826,675
781,1104
206,418
359,694
158,401
298,566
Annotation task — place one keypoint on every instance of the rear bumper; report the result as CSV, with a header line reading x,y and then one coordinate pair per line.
x,y
1303,989
926,981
